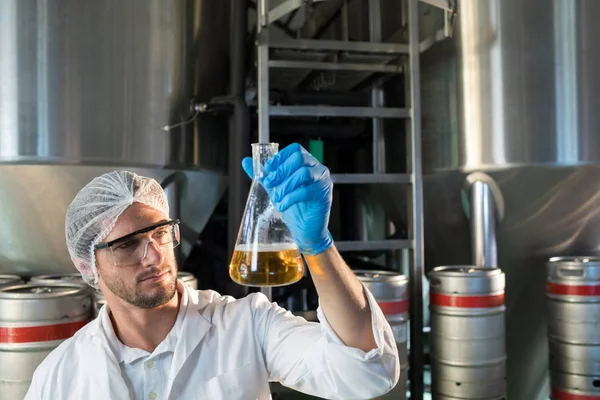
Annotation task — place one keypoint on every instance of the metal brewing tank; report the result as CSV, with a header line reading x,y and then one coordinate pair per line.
x,y
573,304
390,290
468,356
85,88
35,319
512,93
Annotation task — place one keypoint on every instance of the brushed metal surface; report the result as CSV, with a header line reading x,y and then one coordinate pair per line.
x,y
95,81
549,211
34,200
517,85
513,94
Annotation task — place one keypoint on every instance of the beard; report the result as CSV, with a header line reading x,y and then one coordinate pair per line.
x,y
144,295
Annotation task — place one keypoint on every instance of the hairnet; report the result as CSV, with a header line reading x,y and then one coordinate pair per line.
x,y
94,211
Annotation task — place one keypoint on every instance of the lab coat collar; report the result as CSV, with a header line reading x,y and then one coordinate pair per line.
x,y
192,330
130,355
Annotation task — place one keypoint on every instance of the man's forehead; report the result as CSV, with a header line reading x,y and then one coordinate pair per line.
x,y
137,216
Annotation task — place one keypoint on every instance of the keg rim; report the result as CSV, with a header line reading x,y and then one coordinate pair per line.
x,y
7,294
57,278
459,270
379,275
4,278
186,276
580,261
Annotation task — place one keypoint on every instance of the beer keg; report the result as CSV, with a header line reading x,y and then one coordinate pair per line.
x,y
390,290
99,301
574,387
573,307
189,279
9,280
573,299
467,332
34,319
58,278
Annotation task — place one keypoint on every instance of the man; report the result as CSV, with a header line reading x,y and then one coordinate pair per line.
x,y
158,339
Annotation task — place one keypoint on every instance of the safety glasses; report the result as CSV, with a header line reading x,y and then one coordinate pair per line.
x,y
131,249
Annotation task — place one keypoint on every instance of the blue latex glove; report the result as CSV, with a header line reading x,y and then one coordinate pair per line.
x,y
301,189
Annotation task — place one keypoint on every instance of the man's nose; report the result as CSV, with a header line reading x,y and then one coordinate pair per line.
x,y
152,254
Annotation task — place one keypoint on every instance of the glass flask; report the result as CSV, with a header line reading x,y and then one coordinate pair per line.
x,y
265,253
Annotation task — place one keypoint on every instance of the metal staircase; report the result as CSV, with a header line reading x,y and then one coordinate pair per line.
x,y
359,57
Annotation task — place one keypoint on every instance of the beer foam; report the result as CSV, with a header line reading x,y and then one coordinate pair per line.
x,y
271,247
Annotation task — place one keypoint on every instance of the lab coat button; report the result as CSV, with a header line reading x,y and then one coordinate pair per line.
x,y
149,364
152,396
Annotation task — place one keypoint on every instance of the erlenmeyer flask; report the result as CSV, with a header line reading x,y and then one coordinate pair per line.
x,y
265,253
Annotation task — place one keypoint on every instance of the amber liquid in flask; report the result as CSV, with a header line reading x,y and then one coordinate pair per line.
x,y
265,253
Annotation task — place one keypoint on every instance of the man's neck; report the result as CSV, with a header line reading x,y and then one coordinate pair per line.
x,y
144,329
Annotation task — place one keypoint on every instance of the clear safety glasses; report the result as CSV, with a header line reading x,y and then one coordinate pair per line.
x,y
131,249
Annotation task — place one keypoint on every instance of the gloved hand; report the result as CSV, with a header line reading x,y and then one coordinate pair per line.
x,y
301,189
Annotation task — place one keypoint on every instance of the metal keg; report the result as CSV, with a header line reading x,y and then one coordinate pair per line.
x,y
468,382
9,280
573,306
58,278
99,301
34,319
574,387
189,279
390,290
573,299
467,332
578,359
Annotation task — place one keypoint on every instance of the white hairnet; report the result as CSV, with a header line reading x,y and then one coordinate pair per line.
x,y
94,211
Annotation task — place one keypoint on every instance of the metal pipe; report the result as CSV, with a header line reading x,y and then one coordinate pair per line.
x,y
174,187
484,252
239,122
417,356
485,211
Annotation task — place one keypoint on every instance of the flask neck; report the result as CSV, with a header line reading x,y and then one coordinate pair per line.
x,y
261,153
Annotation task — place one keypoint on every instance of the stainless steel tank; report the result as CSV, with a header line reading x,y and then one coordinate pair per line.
x,y
86,88
390,290
467,332
34,319
512,93
573,298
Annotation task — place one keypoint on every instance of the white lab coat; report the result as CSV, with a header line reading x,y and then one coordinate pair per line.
x,y
230,349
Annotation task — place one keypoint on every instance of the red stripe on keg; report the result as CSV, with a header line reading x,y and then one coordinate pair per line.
x,y
558,394
33,334
393,307
573,290
445,300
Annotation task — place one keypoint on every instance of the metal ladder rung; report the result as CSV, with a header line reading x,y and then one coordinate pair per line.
x,y
371,178
368,245
339,45
332,111
335,66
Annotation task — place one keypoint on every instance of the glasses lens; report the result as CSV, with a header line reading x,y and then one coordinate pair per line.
x,y
132,250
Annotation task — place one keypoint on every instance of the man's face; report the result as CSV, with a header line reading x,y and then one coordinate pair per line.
x,y
152,281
